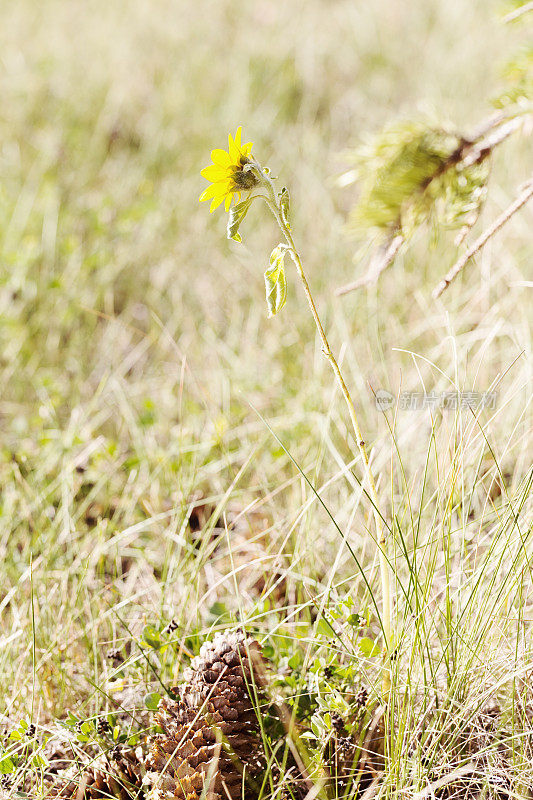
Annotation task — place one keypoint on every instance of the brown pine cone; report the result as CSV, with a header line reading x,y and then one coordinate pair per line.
x,y
211,737
117,775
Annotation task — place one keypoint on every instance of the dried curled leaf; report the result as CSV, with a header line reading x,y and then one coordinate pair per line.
x,y
275,281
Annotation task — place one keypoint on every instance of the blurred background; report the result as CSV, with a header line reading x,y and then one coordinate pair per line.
x,y
135,348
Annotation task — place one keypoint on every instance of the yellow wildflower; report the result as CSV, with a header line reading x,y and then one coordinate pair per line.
x,y
227,174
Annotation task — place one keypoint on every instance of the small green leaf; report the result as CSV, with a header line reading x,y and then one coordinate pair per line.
x,y
151,700
354,620
368,647
324,628
268,651
219,612
152,637
275,282
6,766
294,661
71,720
284,204
236,215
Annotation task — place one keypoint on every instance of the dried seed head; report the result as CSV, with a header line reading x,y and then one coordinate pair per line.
x,y
361,697
337,723
115,656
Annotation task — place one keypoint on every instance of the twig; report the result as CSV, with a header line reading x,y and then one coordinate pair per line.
x,y
518,12
498,223
499,125
489,138
382,259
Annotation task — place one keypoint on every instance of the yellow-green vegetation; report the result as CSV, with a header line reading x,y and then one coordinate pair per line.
x,y
174,461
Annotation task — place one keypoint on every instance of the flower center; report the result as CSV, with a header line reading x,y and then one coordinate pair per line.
x,y
244,180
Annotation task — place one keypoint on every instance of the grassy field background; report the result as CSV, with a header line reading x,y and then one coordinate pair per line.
x,y
139,483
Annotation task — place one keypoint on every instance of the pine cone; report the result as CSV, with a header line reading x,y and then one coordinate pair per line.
x,y
118,775
211,733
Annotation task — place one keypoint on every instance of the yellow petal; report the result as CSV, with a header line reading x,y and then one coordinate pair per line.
x,y
246,149
214,172
219,189
234,151
220,157
227,203
238,136
215,204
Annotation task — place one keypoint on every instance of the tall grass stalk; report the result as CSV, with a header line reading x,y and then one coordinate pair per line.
x,y
274,204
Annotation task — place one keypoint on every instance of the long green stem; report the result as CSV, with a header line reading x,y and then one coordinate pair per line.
x,y
380,528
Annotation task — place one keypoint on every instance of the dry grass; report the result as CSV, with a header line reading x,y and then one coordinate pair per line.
x,y
136,351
